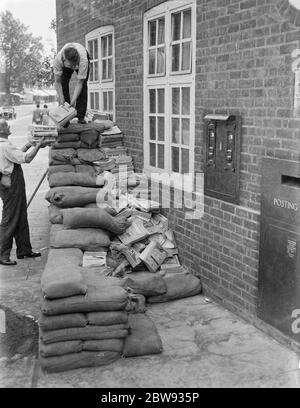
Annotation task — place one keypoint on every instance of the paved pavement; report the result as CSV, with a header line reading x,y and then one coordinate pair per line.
x,y
204,345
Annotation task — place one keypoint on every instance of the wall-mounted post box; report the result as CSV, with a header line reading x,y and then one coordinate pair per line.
x,y
222,135
279,257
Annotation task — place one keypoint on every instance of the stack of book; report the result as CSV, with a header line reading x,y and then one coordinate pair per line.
x,y
62,114
111,138
36,132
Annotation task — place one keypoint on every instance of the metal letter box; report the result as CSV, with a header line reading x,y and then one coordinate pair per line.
x,y
279,261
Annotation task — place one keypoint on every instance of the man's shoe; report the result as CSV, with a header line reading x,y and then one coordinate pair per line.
x,y
7,262
30,255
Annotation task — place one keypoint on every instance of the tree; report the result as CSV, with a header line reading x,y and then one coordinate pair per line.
x,y
22,53
45,77
53,25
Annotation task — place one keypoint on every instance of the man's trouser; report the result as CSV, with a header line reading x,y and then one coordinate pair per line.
x,y
14,216
81,103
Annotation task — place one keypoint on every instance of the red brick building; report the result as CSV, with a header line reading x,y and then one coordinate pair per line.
x,y
160,68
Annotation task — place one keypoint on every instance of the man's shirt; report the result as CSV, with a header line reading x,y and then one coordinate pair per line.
x,y
82,67
9,154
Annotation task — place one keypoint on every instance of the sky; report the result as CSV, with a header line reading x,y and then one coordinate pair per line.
x,y
36,14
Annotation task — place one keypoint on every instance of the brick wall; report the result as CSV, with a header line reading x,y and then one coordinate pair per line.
x,y
243,67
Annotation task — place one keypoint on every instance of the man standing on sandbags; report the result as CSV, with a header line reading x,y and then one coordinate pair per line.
x,y
14,223
72,57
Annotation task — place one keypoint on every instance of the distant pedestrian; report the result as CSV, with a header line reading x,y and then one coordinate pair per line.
x,y
45,114
37,116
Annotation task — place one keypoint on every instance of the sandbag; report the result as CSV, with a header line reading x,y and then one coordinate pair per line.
x,y
94,218
72,162
86,239
107,318
90,155
107,344
179,286
93,145
67,197
89,137
78,360
67,145
63,321
76,346
117,331
73,128
63,155
67,137
94,278
62,274
62,168
143,337
85,168
95,300
145,283
75,179
54,214
60,349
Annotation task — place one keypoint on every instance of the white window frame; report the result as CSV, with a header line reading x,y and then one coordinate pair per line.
x,y
168,81
102,86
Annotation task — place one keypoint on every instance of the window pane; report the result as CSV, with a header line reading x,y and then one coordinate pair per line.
x,y
175,101
160,100
152,33
152,127
104,47
110,44
90,49
187,24
96,49
104,70
161,156
176,18
175,159
160,60
161,129
152,154
92,100
186,56
104,101
97,100
175,131
185,161
92,73
175,57
110,104
186,132
152,94
96,74
161,31
185,101
109,73
152,54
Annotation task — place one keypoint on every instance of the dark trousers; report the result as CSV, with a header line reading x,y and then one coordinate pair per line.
x,y
14,224
81,103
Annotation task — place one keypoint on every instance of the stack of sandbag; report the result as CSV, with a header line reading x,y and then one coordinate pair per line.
x,y
76,146
83,319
